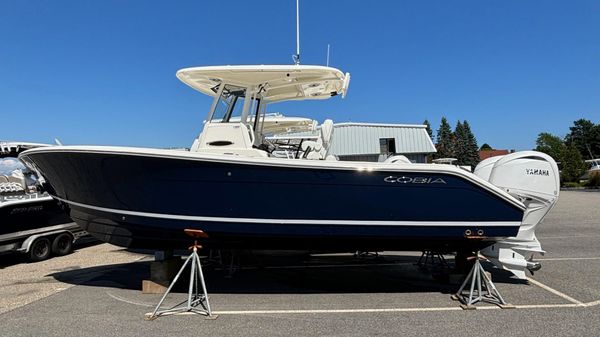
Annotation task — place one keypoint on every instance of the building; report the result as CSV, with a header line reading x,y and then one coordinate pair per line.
x,y
375,142
485,154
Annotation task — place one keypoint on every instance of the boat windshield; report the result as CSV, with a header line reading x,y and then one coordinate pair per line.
x,y
15,177
230,104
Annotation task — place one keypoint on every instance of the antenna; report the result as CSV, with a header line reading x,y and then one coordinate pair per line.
x,y
328,54
296,56
589,151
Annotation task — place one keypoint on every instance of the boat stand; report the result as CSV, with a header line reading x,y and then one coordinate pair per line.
x,y
195,297
482,289
233,263
430,258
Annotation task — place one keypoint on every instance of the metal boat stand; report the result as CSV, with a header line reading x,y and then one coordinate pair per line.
x,y
228,260
195,297
428,259
482,289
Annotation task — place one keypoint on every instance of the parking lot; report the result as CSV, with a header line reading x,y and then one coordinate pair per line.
x,y
96,292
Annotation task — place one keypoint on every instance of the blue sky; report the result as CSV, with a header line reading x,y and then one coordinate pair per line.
x,y
103,72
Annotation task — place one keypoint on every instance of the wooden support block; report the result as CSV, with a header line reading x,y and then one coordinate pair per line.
x,y
149,287
161,275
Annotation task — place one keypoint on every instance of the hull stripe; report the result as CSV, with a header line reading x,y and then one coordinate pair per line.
x,y
296,221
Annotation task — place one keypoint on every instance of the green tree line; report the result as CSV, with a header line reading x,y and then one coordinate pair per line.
x,y
581,143
460,143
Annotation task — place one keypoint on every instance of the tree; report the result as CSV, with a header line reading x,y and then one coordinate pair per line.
x,y
573,166
471,148
465,145
428,128
586,138
551,145
460,143
444,140
486,147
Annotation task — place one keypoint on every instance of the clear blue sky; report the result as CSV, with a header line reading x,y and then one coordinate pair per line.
x,y
103,72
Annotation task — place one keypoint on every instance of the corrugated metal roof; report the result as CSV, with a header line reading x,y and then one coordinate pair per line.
x,y
363,138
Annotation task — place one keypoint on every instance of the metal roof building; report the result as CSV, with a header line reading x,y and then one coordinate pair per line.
x,y
375,142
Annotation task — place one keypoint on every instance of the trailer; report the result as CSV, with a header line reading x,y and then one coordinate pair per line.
x,y
31,222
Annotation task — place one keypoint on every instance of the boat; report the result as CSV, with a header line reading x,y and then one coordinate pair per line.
x,y
232,186
594,168
31,221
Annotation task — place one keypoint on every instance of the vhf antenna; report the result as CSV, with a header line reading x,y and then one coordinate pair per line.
x,y
296,56
589,151
328,54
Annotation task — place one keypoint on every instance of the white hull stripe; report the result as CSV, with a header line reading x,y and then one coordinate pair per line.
x,y
297,221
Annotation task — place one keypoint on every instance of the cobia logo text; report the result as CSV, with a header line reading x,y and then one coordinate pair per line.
x,y
414,180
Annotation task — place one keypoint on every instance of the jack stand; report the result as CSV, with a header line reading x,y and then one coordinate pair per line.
x,y
229,260
233,266
195,297
477,289
215,257
428,258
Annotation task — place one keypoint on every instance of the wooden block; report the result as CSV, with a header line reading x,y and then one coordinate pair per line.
x,y
150,287
161,275
164,271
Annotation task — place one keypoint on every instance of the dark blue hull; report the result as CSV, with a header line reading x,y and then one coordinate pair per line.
x,y
145,201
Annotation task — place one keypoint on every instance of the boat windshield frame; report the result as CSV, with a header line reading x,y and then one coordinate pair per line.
x,y
232,98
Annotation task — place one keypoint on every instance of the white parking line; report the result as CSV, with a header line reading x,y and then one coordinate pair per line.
x,y
373,310
332,311
567,237
568,258
118,298
555,292
388,310
592,304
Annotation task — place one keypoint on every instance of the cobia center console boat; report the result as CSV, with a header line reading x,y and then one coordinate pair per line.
x,y
236,186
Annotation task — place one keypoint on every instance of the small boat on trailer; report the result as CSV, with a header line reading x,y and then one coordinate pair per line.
x,y
31,221
236,186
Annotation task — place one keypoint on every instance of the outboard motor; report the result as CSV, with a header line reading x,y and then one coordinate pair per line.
x,y
397,159
533,178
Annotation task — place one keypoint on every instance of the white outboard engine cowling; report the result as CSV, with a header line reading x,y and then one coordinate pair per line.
x,y
533,178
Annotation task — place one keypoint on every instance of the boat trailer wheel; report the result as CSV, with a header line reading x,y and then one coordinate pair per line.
x,y
40,250
62,244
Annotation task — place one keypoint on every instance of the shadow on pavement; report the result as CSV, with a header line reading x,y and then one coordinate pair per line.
x,y
331,274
